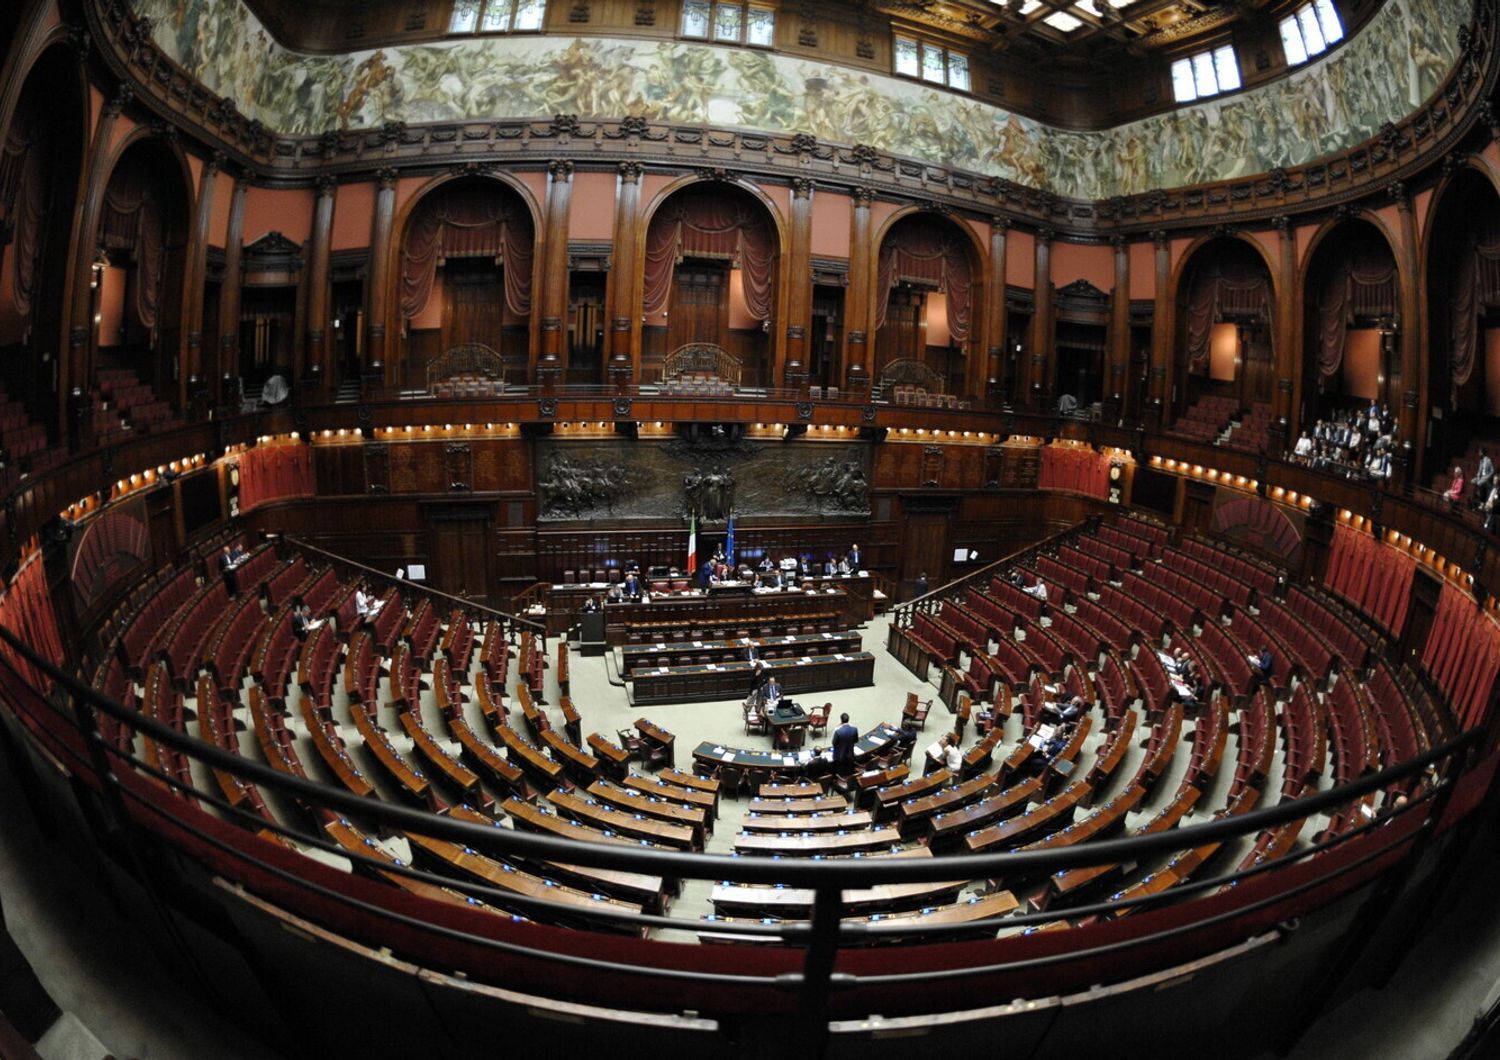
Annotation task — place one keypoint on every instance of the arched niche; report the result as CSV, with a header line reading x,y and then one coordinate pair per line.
x,y
40,158
140,264
1351,298
711,277
928,302
465,274
1225,310
1463,319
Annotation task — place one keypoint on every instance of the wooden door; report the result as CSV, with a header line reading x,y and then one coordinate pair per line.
x,y
700,305
902,336
460,559
473,303
924,549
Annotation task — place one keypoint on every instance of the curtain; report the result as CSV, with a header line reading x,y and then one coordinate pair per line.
x,y
1075,470
133,222
928,253
26,610
274,472
1462,655
1372,576
706,224
467,221
23,184
1476,286
1362,287
1233,288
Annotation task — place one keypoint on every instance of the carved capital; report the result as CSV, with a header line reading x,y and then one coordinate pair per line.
x,y
1120,243
119,101
564,125
802,188
1282,223
1161,237
1044,237
1400,194
863,196
560,170
1000,225
385,177
214,163
630,172
327,184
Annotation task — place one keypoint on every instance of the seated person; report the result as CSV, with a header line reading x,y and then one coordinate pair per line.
x,y
1304,446
830,566
1456,486
906,739
804,569
632,587
935,757
591,605
1197,691
1069,711
844,567
1261,664
770,580
1379,465
613,595
953,755
1054,747
238,554
773,692
1039,590
765,563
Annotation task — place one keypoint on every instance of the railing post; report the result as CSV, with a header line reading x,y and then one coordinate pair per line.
x,y
810,1028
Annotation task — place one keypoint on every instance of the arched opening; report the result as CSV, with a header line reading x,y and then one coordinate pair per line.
x,y
709,286
466,276
927,305
1463,315
39,162
1352,324
1224,353
140,264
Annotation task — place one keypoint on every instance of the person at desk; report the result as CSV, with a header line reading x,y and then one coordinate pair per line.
x,y
226,568
844,567
830,566
752,654
844,738
1055,746
765,564
1261,664
302,622
1070,711
855,559
804,568
366,607
613,595
591,605
770,580
632,587
773,692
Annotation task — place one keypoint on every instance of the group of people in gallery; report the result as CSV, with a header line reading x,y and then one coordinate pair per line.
x,y
1357,442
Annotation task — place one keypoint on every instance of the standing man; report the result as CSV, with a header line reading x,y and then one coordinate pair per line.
x,y
844,738
920,588
855,559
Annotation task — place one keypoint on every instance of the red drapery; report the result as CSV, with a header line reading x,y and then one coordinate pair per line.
x,y
1476,287
1232,288
26,610
271,472
1076,470
707,224
1362,287
1372,576
134,223
1462,655
23,184
928,253
468,221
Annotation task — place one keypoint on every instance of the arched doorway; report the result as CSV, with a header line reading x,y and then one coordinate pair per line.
x,y
39,163
1463,319
927,304
1352,323
710,283
140,265
465,276
1224,348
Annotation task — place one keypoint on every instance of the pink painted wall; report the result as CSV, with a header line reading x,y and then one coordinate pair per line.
x,y
288,211
218,223
353,212
830,224
1142,270
1079,261
1020,260
591,212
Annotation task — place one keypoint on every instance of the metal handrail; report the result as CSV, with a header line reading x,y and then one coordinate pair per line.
x,y
811,873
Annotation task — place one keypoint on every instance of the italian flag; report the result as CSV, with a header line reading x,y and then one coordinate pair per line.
x,y
692,563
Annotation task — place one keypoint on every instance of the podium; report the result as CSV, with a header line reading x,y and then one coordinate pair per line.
x,y
592,632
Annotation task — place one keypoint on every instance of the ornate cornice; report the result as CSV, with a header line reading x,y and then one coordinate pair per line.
x,y
1407,152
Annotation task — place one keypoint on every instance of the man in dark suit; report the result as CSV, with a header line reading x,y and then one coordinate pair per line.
x,y
632,587
855,559
844,738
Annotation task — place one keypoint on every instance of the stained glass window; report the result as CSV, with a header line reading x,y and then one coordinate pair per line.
x,y
958,71
465,16
1310,31
529,14
496,17
760,28
906,57
932,64
695,18
727,22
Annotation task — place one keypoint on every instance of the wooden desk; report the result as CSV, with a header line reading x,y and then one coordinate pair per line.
x,y
529,757
654,733
613,759
732,680
583,766
599,814
639,657
711,755
572,724
797,790
814,804
484,758
641,804
914,811
1051,814
816,822
891,796
657,787
447,766
850,599
811,845
796,903
331,749
948,825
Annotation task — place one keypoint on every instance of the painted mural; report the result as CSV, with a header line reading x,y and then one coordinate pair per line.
x,y
1399,58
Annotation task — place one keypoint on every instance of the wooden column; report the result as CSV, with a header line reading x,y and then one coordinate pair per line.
x,y
859,311
553,296
792,372
1041,377
1159,388
1116,386
1287,339
316,367
227,360
190,377
1410,417
622,302
82,334
378,286
984,372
